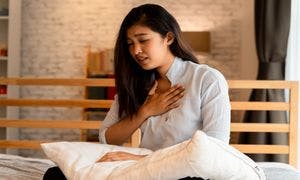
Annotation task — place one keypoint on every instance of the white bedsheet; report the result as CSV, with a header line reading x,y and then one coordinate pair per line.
x,y
279,171
19,168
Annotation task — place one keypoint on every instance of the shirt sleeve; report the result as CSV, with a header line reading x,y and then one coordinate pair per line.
x,y
215,106
110,119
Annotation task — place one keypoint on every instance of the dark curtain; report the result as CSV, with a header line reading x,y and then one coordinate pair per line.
x,y
272,23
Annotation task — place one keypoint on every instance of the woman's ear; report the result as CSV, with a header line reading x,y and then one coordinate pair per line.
x,y
170,38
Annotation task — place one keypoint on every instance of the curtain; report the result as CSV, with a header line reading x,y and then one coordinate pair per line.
x,y
272,23
293,55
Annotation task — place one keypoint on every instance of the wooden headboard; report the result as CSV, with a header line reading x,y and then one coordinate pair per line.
x,y
290,128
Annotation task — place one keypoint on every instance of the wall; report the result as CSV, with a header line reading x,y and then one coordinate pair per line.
x,y
249,59
55,34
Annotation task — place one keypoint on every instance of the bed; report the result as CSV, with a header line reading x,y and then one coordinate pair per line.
x,y
16,167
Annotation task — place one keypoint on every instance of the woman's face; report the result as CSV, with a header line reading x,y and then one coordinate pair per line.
x,y
148,48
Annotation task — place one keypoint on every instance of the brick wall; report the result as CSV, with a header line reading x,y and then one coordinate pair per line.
x,y
55,34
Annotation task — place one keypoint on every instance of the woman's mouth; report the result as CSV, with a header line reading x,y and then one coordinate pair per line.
x,y
142,60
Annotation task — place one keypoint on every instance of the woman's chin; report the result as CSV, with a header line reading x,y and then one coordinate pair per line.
x,y
146,66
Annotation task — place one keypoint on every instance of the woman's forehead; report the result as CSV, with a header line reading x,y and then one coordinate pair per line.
x,y
138,30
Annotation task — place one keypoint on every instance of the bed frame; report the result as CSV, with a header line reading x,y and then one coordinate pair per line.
x,y
291,107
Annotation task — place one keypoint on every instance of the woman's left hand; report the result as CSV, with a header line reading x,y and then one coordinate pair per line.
x,y
119,156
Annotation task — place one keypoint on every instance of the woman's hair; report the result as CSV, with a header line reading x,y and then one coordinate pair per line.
x,y
133,82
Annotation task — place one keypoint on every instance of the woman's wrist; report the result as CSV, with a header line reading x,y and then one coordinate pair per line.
x,y
143,113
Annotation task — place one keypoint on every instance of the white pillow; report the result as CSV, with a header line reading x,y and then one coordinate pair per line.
x,y
72,156
201,156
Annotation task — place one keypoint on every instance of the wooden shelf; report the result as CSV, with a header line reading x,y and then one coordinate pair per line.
x,y
3,17
10,32
198,40
96,74
3,58
3,96
100,113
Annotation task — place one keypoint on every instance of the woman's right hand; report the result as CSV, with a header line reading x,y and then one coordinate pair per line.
x,y
159,103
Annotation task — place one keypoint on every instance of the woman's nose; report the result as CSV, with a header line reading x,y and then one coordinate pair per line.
x,y
137,49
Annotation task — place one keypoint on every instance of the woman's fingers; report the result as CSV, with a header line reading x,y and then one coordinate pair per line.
x,y
175,101
119,156
107,157
159,103
174,94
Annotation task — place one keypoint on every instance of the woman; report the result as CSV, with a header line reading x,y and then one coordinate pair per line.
x,y
161,88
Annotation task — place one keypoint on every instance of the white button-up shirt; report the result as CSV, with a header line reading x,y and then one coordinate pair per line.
x,y
205,106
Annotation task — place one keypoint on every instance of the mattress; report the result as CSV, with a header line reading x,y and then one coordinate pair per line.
x,y
279,171
20,168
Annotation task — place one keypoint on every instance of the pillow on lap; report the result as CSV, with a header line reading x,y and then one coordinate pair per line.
x,y
72,156
201,156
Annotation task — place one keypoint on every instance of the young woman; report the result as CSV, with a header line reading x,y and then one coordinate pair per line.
x,y
161,88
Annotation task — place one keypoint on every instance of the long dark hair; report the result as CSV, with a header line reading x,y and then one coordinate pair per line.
x,y
133,82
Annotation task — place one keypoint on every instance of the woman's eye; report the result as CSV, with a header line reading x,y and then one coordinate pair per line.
x,y
143,40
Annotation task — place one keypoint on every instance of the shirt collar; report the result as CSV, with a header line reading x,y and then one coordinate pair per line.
x,y
175,71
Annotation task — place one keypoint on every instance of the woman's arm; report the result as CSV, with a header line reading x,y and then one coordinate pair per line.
x,y
121,131
215,106
155,104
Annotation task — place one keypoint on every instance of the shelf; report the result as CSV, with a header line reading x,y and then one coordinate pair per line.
x,y
198,40
99,113
3,17
3,58
3,96
97,74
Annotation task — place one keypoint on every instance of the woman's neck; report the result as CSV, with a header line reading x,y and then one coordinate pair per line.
x,y
162,71
164,84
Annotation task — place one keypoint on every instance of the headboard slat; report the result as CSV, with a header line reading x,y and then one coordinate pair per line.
x,y
65,124
291,107
262,149
259,127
